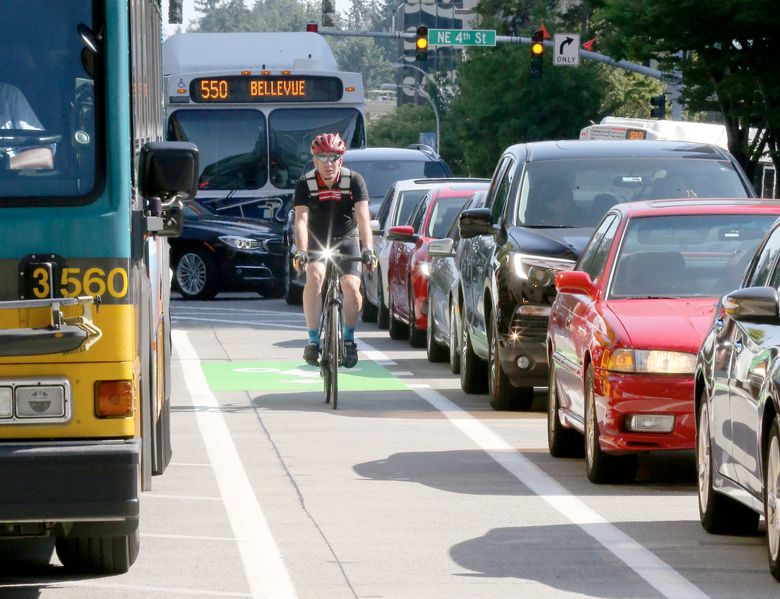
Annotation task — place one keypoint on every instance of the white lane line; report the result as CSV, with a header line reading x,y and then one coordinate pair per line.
x,y
263,564
402,373
655,571
189,465
209,309
164,591
153,495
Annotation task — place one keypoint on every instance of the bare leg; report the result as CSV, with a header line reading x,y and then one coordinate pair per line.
x,y
312,294
350,287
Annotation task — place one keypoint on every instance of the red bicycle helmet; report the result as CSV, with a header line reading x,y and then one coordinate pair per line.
x,y
328,143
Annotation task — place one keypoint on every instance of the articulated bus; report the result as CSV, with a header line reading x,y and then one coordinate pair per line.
x,y
252,102
88,194
612,127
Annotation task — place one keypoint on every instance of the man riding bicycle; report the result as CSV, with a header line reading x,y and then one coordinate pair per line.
x,y
331,212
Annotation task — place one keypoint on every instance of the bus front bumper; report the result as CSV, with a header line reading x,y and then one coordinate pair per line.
x,y
70,481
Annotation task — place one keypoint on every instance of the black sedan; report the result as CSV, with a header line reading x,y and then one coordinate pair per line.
x,y
226,253
737,402
543,203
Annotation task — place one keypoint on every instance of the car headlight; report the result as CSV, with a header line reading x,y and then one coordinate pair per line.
x,y
242,243
539,271
424,268
652,361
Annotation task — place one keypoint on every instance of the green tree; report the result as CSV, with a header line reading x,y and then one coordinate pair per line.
x,y
725,51
265,15
402,128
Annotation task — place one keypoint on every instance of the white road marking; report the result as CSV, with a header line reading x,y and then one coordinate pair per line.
x,y
652,569
300,327
187,537
164,591
153,495
190,465
402,373
263,564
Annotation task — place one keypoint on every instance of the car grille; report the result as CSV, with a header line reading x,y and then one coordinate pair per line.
x,y
534,327
275,245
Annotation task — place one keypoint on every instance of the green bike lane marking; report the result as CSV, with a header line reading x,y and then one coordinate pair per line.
x,y
294,376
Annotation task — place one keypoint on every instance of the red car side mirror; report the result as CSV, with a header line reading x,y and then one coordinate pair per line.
x,y
575,281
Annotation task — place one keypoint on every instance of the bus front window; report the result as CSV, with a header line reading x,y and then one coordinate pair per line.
x,y
48,135
291,133
232,144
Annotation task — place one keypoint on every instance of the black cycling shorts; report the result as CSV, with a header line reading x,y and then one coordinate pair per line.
x,y
344,245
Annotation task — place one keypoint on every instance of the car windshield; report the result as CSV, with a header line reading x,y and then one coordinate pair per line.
x,y
49,141
577,192
232,145
686,256
444,213
380,174
291,133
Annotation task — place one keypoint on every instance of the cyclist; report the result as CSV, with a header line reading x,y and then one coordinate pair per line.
x,y
331,211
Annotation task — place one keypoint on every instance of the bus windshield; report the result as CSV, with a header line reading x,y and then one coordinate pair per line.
x,y
232,143
291,132
47,102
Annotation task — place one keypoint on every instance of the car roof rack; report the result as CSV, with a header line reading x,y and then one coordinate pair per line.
x,y
424,148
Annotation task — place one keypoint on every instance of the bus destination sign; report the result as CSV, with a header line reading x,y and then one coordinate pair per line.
x,y
253,89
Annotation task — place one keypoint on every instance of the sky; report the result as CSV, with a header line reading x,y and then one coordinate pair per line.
x,y
191,15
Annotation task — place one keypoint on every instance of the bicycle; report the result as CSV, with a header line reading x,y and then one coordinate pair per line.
x,y
331,325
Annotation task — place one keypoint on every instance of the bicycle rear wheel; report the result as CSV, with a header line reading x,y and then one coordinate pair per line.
x,y
334,353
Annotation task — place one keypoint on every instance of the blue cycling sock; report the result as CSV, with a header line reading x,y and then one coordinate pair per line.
x,y
314,336
349,333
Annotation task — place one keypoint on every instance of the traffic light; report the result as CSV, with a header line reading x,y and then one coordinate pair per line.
x,y
659,106
537,54
328,13
421,44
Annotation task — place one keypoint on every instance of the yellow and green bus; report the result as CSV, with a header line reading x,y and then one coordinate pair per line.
x,y
88,195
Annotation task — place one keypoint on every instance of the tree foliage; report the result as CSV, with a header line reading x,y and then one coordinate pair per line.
x,y
726,52
264,15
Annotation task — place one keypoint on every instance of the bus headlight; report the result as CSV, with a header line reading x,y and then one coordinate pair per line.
x,y
6,402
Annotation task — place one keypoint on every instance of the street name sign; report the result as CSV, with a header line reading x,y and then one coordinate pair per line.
x,y
566,49
462,37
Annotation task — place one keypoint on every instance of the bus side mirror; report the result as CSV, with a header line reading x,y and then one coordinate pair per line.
x,y
167,175
168,169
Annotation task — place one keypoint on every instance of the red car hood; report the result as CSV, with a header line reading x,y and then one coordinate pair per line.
x,y
675,324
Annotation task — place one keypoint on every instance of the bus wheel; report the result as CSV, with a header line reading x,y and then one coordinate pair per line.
x,y
195,274
98,555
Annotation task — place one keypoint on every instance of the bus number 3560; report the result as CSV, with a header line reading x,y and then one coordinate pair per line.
x,y
74,282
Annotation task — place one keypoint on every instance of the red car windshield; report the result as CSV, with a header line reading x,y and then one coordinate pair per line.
x,y
686,256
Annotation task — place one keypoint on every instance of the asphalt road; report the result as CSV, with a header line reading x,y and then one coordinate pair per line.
x,y
411,489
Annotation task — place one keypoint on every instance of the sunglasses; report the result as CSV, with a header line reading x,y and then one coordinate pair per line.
x,y
327,157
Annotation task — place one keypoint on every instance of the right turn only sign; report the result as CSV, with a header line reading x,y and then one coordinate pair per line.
x,y
566,49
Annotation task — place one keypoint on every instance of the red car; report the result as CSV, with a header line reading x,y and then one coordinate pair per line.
x,y
628,321
409,262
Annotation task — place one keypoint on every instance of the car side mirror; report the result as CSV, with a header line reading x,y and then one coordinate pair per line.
x,y
752,304
576,282
475,221
441,248
375,226
403,233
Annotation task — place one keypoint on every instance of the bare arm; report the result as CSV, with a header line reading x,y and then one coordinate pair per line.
x,y
363,217
302,228
32,158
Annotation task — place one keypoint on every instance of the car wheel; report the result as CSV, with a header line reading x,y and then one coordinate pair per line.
x,y
435,351
454,339
195,274
383,317
772,499
718,513
369,312
98,555
472,369
293,294
503,396
561,441
416,336
602,467
396,328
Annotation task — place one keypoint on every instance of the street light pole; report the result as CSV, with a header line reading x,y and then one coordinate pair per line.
x,y
425,95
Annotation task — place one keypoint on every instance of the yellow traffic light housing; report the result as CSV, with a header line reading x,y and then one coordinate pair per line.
x,y
421,44
537,54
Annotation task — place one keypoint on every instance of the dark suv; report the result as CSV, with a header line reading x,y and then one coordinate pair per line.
x,y
380,167
543,202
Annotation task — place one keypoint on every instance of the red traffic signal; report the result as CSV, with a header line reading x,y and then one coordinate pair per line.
x,y
312,27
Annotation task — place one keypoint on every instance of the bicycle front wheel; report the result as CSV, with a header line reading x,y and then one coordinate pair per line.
x,y
335,353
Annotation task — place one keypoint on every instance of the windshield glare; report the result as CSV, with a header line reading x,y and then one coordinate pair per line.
x,y
232,145
47,101
577,193
686,256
